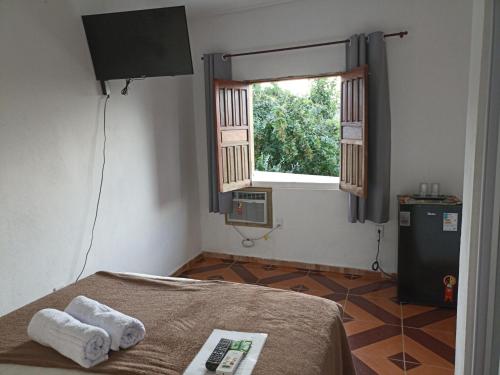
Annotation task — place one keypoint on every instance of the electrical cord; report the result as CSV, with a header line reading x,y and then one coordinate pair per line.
x,y
100,191
250,242
128,81
376,264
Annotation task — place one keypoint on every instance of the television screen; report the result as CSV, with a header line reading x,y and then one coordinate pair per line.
x,y
144,43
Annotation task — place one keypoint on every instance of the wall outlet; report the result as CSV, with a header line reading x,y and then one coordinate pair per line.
x,y
280,221
381,228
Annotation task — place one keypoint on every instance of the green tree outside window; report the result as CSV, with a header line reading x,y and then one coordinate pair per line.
x,y
297,134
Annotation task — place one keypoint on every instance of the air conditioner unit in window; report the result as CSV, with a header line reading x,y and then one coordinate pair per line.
x,y
252,207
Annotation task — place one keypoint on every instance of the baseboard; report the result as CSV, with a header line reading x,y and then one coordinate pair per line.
x,y
287,263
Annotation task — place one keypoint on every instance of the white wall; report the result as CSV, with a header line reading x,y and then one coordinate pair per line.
x,y
428,82
50,155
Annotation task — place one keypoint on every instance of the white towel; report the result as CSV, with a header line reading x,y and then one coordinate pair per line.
x,y
82,343
125,331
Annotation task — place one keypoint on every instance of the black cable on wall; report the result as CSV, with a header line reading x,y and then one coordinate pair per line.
x,y
100,191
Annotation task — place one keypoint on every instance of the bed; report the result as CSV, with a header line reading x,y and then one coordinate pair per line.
x,y
306,335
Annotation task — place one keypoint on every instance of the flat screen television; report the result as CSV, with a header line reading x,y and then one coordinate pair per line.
x,y
143,43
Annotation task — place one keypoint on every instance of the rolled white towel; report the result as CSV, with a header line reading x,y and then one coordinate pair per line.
x,y
80,342
125,331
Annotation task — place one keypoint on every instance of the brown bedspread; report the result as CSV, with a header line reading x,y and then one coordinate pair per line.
x,y
306,335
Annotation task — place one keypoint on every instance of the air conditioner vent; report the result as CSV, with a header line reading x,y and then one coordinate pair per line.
x,y
251,207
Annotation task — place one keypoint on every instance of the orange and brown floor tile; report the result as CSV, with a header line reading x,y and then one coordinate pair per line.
x,y
385,337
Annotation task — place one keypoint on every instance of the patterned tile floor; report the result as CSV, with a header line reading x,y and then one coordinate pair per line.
x,y
385,337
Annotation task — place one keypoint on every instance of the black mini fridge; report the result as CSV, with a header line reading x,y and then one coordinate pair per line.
x,y
428,250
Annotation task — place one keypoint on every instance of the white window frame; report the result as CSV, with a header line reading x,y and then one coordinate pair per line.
x,y
280,180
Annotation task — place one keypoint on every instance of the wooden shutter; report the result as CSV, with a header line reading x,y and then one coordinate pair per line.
x,y
354,132
233,122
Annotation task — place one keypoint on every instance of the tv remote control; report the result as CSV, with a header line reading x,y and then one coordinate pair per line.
x,y
234,356
218,354
230,363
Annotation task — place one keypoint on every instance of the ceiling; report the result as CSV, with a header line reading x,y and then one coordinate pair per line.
x,y
195,8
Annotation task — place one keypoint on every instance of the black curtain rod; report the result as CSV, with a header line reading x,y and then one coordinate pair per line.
x,y
401,34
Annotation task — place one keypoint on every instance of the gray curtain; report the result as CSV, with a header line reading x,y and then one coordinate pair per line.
x,y
215,68
371,50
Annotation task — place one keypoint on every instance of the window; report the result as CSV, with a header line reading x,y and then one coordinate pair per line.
x,y
296,126
300,126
